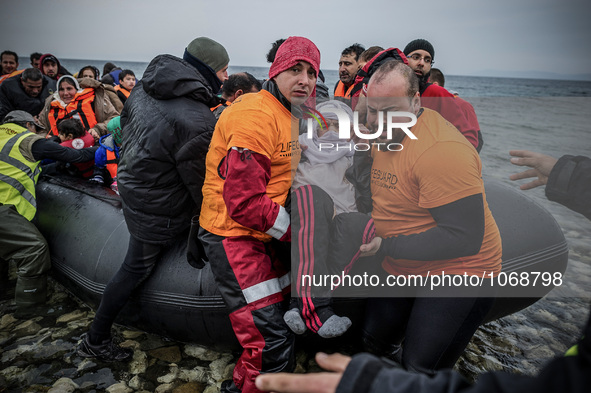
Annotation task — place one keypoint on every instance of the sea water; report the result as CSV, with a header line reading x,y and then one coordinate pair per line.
x,y
551,117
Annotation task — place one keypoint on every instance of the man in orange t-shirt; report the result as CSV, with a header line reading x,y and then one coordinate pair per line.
x,y
248,178
431,216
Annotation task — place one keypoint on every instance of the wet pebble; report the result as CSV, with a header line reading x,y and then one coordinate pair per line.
x,y
39,353
63,385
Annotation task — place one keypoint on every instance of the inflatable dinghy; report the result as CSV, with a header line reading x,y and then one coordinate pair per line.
x,y
87,235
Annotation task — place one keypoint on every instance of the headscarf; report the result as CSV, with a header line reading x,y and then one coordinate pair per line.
x,y
56,95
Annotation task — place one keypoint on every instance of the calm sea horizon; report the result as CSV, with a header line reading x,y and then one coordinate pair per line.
x,y
467,86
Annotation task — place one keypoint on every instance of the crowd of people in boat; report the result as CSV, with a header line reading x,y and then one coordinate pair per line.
x,y
234,161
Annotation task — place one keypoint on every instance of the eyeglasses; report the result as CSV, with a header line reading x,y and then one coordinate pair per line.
x,y
417,57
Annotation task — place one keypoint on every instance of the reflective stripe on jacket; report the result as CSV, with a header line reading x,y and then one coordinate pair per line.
x,y
18,175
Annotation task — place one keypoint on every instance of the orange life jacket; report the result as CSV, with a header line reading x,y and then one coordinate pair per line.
x,y
123,90
227,103
112,163
340,90
80,105
13,73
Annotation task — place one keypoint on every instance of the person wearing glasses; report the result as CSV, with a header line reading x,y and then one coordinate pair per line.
x,y
421,57
567,182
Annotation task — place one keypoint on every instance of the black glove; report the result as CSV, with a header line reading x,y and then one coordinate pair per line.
x,y
195,251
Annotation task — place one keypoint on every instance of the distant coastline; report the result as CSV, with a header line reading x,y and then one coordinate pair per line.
x,y
467,85
480,73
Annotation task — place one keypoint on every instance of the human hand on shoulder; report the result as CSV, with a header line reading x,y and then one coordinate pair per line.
x,y
325,382
541,165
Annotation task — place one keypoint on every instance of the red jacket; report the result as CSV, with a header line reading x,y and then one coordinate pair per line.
x,y
87,140
440,100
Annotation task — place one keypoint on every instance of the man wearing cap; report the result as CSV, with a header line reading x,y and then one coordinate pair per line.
x,y
21,151
244,223
421,56
166,129
50,66
26,92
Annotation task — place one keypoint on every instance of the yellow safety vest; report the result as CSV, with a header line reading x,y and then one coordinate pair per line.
x,y
18,175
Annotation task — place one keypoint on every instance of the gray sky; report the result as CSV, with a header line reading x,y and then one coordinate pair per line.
x,y
470,37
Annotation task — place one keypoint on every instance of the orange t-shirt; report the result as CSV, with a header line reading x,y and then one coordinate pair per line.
x,y
438,168
260,123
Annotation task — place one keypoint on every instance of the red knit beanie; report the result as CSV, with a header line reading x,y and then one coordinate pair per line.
x,y
292,51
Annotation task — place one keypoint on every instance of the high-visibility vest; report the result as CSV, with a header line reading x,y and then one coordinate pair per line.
x,y
79,107
18,175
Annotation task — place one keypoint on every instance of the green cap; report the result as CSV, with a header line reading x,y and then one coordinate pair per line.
x,y
210,52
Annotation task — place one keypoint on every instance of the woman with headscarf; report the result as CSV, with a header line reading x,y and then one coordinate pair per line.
x,y
86,99
89,72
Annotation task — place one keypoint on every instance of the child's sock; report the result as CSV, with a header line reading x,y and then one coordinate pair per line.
x,y
334,326
294,321
324,321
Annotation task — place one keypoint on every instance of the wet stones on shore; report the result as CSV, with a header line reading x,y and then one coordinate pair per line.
x,y
38,352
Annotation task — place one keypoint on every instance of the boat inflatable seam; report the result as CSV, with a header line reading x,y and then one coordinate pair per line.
x,y
533,258
152,297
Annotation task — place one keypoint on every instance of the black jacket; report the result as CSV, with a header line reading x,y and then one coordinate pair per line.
x,y
166,129
569,183
13,96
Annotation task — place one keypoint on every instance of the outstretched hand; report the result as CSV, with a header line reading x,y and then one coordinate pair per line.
x,y
541,165
307,383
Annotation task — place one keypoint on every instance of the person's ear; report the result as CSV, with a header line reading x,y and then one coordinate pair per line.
x,y
238,93
416,103
31,127
69,137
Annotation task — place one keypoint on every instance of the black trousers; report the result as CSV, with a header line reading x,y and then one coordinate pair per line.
x,y
138,264
435,330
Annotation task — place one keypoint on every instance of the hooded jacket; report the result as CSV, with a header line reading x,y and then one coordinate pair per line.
x,y
166,129
106,104
13,96
61,70
432,97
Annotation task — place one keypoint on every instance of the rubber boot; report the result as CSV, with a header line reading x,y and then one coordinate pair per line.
x,y
30,291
